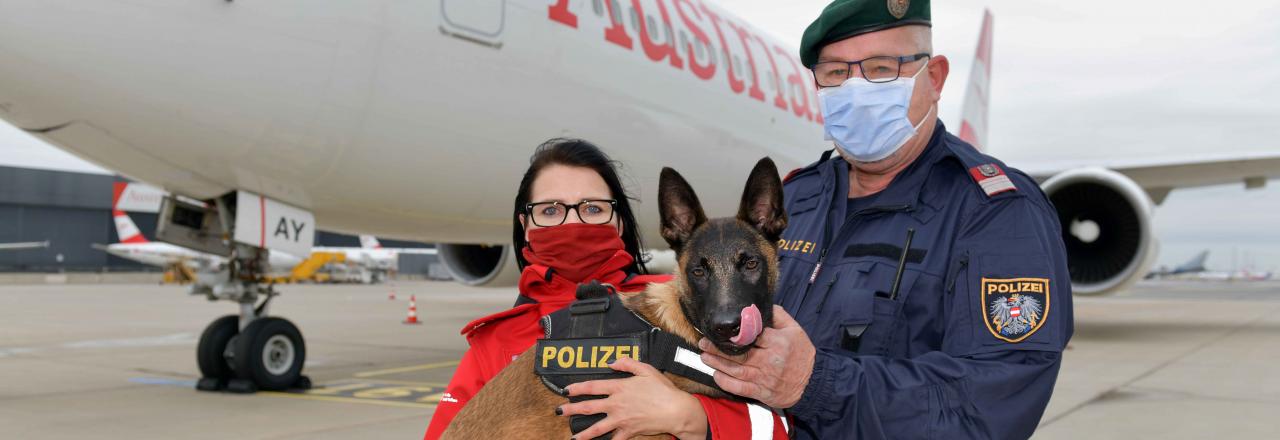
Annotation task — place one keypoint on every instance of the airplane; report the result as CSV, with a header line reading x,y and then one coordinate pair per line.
x,y
414,120
136,247
1194,265
22,246
379,261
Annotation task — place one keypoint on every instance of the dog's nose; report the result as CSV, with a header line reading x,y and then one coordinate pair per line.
x,y
726,326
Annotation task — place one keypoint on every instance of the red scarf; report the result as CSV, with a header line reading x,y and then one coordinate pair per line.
x,y
562,256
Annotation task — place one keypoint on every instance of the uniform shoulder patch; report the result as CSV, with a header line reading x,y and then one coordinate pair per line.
x,y
1014,308
992,179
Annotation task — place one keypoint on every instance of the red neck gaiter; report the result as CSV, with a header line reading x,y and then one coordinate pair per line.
x,y
573,251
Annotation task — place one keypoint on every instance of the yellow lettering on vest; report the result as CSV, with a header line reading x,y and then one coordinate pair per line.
x,y
605,353
581,363
565,357
623,351
548,353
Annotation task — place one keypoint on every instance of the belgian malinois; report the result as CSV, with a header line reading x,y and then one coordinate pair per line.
x,y
723,289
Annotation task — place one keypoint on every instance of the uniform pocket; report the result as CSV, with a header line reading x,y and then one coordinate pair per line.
x,y
886,334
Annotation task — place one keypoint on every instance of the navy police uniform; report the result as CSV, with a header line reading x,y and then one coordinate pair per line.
x,y
971,345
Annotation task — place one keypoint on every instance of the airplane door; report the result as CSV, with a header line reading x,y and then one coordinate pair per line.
x,y
478,21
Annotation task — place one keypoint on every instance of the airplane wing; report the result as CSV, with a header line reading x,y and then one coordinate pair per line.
x,y
24,246
1158,176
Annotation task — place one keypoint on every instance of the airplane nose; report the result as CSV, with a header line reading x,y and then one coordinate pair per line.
x,y
726,325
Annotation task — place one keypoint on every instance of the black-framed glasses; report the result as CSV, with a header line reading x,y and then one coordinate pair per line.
x,y
596,212
875,69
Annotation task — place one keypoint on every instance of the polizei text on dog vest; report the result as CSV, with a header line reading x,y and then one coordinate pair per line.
x,y
583,355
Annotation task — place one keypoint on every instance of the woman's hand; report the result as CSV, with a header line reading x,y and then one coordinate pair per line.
x,y
645,404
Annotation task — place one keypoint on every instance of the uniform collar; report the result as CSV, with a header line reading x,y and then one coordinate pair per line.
x,y
904,192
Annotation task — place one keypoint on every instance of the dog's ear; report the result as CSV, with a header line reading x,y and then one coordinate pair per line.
x,y
762,201
679,207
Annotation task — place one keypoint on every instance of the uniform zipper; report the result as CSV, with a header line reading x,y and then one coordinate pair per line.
x,y
822,258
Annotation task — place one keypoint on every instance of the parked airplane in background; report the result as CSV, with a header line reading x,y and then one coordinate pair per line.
x,y
373,257
1195,270
24,245
134,246
1194,265
415,119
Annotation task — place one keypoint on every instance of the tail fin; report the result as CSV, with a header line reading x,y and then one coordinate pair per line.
x,y
369,242
1196,264
973,125
128,232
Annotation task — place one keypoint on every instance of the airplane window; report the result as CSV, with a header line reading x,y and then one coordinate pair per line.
x,y
671,35
635,19
737,63
653,28
616,11
684,40
701,51
598,5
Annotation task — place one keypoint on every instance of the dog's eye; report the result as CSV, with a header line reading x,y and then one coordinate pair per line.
x,y
752,264
699,272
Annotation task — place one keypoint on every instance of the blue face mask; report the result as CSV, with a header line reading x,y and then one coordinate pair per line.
x,y
867,120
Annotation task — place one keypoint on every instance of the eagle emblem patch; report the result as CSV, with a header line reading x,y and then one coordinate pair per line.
x,y
898,8
1014,308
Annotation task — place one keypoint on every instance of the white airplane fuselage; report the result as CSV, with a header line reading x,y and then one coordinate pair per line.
x,y
165,254
404,119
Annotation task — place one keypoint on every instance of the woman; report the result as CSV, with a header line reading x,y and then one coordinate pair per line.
x,y
573,223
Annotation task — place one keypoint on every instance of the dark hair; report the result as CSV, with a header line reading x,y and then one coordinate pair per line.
x,y
579,153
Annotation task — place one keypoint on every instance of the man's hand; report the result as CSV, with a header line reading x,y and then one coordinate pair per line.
x,y
775,372
644,404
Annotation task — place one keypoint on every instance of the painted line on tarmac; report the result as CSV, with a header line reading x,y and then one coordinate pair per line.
x,y
396,393
388,371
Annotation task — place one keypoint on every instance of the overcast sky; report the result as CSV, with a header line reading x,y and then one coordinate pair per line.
x,y
1078,80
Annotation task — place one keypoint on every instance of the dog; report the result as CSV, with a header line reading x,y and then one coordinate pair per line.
x,y
722,288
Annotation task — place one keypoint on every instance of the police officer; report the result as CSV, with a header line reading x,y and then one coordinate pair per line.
x,y
958,334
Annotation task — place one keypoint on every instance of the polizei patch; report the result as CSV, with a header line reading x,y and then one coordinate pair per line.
x,y
1014,308
583,355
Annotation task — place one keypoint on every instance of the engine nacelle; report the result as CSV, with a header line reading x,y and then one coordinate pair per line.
x,y
1106,225
480,265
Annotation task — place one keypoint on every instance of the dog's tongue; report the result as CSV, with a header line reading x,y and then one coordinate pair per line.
x,y
750,328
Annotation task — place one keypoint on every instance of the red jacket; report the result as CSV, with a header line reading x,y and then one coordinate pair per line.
x,y
497,339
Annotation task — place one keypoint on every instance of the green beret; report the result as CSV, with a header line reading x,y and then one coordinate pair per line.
x,y
848,18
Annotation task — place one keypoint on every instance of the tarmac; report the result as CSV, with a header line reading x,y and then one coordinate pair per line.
x,y
1175,360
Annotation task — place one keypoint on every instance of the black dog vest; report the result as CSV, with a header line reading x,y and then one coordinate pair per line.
x,y
583,339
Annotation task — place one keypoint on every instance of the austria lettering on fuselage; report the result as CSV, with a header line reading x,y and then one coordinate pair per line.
x,y
701,23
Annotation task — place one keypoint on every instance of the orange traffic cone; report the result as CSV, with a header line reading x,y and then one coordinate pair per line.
x,y
413,311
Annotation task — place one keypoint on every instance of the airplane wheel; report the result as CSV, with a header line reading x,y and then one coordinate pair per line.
x,y
270,352
213,343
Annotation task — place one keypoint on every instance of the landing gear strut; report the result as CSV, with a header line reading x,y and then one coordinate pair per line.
x,y
250,351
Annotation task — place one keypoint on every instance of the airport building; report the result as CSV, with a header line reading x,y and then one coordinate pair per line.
x,y
72,211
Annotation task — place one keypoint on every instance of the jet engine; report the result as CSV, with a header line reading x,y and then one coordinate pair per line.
x,y
480,265
1106,225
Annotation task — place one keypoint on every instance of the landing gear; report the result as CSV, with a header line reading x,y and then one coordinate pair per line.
x,y
249,351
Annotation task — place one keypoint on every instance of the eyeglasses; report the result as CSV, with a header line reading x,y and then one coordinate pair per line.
x,y
596,212
875,69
